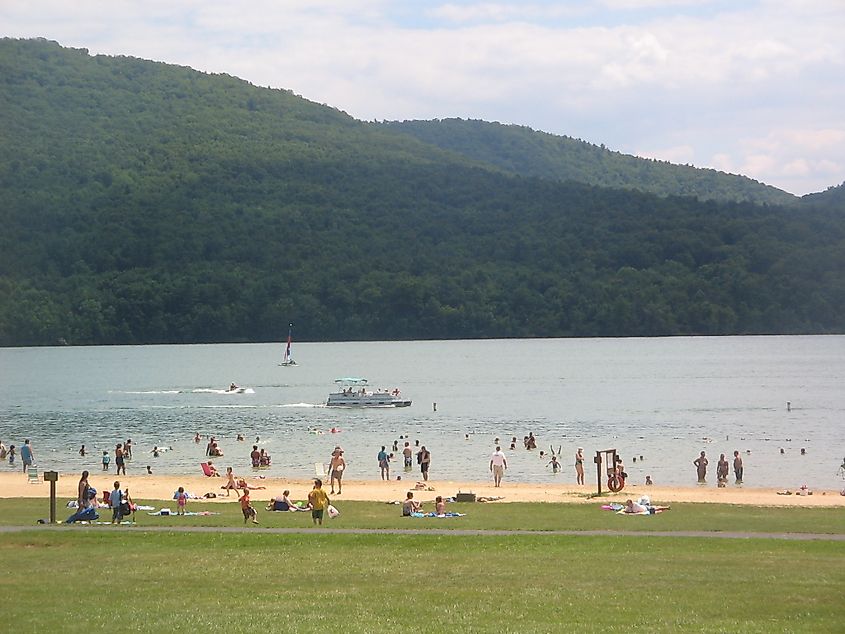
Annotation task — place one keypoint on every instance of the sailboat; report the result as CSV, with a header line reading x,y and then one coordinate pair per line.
x,y
287,360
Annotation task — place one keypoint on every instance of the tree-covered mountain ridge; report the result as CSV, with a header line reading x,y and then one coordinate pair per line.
x,y
520,150
145,202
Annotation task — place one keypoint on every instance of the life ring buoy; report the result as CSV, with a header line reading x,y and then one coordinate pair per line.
x,y
616,483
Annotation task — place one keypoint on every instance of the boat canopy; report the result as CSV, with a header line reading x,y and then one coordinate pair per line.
x,y
351,381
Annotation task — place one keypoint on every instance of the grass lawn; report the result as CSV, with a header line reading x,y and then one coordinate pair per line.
x,y
511,516
70,580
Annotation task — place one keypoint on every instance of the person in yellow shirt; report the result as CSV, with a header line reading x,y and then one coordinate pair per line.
x,y
318,502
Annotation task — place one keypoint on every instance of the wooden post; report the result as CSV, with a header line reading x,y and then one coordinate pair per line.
x,y
52,477
597,460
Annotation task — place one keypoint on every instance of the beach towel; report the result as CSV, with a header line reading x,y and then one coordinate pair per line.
x,y
85,515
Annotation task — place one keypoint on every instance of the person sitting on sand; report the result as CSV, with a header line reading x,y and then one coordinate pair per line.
x,y
410,505
212,469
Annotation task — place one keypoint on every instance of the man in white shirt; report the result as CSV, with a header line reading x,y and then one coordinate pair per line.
x,y
498,464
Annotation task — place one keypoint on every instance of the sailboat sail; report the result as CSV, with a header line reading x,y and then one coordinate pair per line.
x,y
287,359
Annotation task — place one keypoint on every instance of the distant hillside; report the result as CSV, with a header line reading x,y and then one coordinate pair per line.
x,y
521,150
831,198
144,202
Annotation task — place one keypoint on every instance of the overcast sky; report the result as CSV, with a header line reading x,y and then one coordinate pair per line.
x,y
754,87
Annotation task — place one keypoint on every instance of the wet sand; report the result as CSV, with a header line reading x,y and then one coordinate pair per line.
x,y
161,487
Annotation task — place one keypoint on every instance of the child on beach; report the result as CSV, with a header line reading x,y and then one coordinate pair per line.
x,y
116,504
439,505
181,501
247,509
106,460
11,455
318,502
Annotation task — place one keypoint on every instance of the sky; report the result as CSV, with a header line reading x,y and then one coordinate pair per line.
x,y
751,87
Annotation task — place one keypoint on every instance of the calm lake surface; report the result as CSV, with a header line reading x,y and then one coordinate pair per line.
x,y
663,399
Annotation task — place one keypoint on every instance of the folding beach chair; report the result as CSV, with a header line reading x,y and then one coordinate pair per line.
x,y
32,475
206,469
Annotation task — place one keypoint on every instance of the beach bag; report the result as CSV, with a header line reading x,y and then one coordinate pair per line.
x,y
333,512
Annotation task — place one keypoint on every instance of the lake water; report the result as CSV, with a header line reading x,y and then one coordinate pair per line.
x,y
663,399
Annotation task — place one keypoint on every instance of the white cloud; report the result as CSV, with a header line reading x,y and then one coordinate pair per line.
x,y
754,86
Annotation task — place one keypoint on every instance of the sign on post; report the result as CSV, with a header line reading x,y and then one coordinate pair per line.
x,y
52,477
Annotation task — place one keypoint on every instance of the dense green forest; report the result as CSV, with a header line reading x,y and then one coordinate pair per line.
x,y
144,202
521,150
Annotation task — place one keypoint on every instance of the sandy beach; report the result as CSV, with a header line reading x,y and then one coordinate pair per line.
x,y
160,487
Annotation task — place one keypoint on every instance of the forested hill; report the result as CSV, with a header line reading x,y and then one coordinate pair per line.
x,y
831,198
143,202
521,150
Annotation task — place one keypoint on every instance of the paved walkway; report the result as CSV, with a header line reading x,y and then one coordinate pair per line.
x,y
433,531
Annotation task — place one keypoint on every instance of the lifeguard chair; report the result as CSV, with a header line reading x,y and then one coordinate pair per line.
x,y
615,480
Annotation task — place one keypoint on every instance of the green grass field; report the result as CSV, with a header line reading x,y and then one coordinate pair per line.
x,y
84,578
97,579
511,516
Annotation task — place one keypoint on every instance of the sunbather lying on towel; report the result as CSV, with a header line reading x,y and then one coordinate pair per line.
x,y
638,508
243,485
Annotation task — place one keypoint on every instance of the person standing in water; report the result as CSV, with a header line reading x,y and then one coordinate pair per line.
x,y
424,458
722,471
27,456
701,467
579,465
119,459
407,452
738,467
384,463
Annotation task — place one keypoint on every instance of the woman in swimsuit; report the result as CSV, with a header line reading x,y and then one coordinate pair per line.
x,y
579,466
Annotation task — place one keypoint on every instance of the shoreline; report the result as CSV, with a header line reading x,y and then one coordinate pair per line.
x,y
161,487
